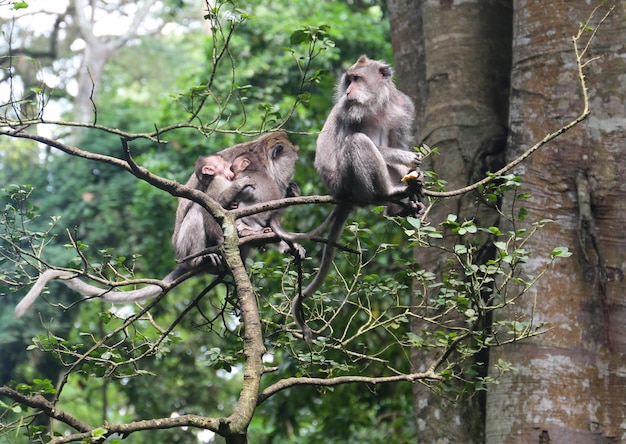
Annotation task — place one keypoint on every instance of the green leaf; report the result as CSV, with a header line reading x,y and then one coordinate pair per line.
x,y
561,252
500,245
521,215
299,36
414,222
99,433
435,235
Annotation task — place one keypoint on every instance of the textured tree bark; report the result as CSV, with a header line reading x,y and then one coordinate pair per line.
x,y
570,385
459,79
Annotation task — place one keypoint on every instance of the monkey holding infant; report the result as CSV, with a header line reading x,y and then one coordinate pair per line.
x,y
244,182
195,230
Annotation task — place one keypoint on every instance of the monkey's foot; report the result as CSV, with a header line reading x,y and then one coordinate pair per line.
x,y
245,230
417,209
405,208
213,260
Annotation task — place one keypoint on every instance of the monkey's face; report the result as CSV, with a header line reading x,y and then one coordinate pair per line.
x,y
210,166
276,153
279,157
365,88
227,171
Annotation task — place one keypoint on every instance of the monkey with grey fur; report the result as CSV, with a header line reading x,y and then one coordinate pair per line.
x,y
263,189
362,154
195,229
277,154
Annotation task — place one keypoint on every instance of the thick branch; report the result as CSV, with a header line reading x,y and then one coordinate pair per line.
x,y
253,347
40,403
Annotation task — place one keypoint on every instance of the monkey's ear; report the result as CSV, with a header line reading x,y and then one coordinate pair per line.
x,y
363,60
208,170
277,150
385,70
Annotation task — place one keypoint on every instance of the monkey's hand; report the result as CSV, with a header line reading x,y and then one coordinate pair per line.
x,y
245,193
297,250
247,230
244,184
414,181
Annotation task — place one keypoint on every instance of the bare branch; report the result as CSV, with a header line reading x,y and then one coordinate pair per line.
x,y
329,382
47,407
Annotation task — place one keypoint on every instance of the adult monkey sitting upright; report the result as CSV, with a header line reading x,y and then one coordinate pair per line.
x,y
279,156
363,154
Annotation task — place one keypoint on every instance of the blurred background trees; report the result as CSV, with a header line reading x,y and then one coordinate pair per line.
x,y
145,59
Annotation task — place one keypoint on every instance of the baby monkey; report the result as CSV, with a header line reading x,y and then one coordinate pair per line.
x,y
195,229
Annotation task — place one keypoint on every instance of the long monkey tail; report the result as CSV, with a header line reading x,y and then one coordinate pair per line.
x,y
339,217
294,237
87,290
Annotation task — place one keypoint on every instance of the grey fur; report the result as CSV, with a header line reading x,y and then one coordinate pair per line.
x,y
277,153
362,153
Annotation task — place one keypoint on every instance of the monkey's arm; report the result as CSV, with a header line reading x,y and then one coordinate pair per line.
x,y
233,190
400,156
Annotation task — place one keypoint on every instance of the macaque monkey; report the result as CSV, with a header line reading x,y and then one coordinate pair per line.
x,y
362,153
195,229
277,154
263,189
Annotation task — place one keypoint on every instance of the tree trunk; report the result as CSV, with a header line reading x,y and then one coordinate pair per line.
x,y
570,384
461,69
